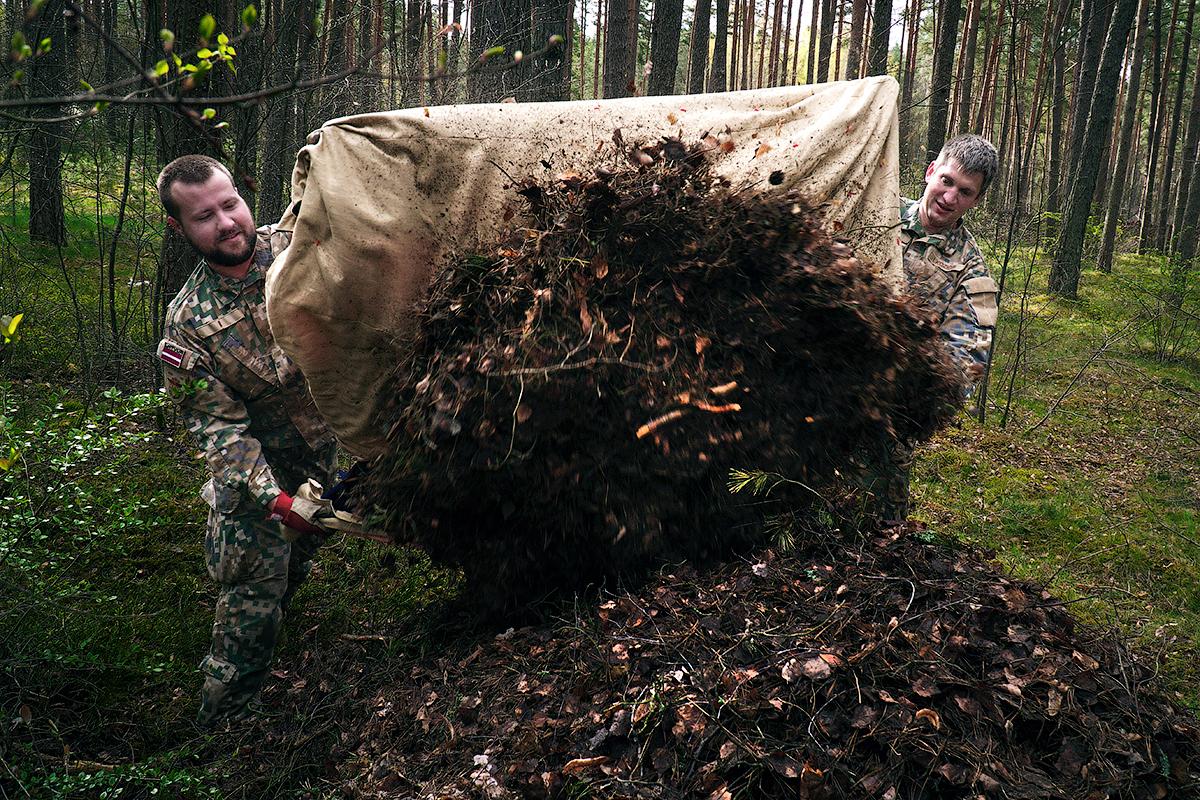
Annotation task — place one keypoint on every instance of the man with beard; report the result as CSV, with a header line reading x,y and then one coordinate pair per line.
x,y
251,414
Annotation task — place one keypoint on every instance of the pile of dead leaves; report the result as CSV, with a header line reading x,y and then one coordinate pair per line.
x,y
889,668
577,396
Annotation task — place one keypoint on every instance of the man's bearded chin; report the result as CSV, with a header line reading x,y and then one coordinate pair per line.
x,y
226,259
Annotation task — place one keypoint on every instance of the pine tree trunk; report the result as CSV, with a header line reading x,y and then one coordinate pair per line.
x,y
698,47
966,69
618,74
785,76
1169,177
943,70
47,78
776,43
549,78
1157,81
826,47
912,24
1058,105
747,49
735,44
281,139
1125,141
717,78
664,46
1188,160
881,27
840,5
858,15
177,137
810,75
598,46
1064,271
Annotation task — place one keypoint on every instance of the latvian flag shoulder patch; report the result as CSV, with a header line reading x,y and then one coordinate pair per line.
x,y
176,355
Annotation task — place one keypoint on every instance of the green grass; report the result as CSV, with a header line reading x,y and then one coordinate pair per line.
x,y
1100,500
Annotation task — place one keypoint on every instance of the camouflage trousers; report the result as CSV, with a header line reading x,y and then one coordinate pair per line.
x,y
258,572
884,482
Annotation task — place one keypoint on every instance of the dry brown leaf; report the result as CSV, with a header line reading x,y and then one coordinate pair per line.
x,y
578,765
763,149
932,717
1054,704
524,412
1084,660
599,265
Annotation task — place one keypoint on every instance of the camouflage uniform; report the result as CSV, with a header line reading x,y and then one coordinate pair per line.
x,y
248,407
948,272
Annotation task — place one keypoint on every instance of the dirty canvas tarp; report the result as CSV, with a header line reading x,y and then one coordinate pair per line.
x,y
384,198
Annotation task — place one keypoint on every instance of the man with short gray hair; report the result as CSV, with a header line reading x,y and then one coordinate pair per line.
x,y
944,267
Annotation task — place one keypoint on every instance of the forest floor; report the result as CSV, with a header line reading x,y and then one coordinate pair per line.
x,y
1084,477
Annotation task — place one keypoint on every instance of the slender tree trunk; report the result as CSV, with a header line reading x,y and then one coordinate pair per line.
x,y
1125,141
176,137
840,5
1064,271
664,46
747,51
735,44
912,23
1058,105
762,46
47,77
698,47
716,79
966,69
810,75
281,138
1169,178
785,76
618,69
991,64
795,65
1188,160
549,78
598,47
1157,82
776,43
826,48
858,15
1183,260
943,70
881,27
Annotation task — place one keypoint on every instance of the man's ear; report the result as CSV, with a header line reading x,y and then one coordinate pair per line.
x,y
929,170
174,225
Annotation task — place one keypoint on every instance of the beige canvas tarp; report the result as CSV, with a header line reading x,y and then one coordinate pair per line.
x,y
384,198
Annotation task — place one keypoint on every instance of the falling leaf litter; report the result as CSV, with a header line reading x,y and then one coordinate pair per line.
x,y
577,394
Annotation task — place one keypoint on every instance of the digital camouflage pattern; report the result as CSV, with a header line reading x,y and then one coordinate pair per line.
x,y
248,407
947,270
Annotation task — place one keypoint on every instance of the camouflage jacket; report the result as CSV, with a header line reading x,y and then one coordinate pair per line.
x,y
242,398
947,271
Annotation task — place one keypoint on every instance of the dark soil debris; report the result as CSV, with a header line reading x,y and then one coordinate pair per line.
x,y
577,398
887,668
